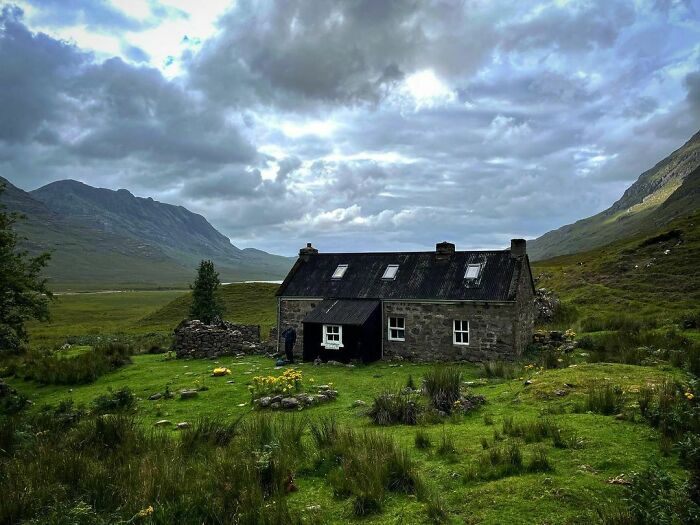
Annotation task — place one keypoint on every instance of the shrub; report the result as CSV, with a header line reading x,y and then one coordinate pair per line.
x,y
669,407
654,498
395,408
442,385
422,440
114,401
53,368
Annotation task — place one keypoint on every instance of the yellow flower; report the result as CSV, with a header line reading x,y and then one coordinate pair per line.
x,y
689,395
145,512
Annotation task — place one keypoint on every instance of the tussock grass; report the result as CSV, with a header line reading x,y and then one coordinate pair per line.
x,y
442,385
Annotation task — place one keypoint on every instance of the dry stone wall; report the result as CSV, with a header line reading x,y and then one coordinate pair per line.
x,y
198,340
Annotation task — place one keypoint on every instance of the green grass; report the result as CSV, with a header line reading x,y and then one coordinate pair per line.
x,y
565,494
147,312
630,278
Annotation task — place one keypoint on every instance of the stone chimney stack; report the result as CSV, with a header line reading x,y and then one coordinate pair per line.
x,y
306,252
518,248
444,249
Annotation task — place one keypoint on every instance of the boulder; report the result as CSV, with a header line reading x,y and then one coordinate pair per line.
x,y
290,403
188,394
163,423
359,403
155,397
183,425
263,402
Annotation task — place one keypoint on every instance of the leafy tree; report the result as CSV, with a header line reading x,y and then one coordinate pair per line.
x,y
23,292
205,307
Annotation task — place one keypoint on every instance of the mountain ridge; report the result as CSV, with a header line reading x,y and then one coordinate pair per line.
x,y
641,208
111,238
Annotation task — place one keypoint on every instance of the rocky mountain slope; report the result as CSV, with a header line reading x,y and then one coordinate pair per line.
x,y
661,194
103,238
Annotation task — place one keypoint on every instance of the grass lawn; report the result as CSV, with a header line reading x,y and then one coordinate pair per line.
x,y
568,494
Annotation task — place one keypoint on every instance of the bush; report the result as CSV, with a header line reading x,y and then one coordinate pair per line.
x,y
442,385
55,369
539,462
115,401
395,408
211,432
654,499
435,509
670,408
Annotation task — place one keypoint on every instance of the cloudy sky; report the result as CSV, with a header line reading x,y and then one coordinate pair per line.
x,y
355,124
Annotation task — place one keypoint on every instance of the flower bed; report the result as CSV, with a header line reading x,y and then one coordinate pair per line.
x,y
287,391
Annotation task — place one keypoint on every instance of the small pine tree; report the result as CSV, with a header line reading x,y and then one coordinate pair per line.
x,y
23,292
205,307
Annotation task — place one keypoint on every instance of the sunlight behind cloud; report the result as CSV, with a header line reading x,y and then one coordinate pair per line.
x,y
427,90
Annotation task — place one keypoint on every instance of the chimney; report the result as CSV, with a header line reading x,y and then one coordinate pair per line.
x,y
444,249
518,248
306,252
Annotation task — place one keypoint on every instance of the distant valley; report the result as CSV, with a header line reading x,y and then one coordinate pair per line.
x,y
100,238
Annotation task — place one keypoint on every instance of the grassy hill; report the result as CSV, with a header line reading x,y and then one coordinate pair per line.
x,y
665,192
246,303
652,276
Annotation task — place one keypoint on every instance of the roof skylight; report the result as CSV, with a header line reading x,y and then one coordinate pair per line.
x,y
473,271
390,272
339,271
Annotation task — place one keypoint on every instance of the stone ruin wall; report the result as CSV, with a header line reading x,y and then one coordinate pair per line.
x,y
194,339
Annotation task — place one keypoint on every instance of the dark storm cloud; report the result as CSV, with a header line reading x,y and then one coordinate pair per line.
x,y
34,70
70,109
291,53
303,121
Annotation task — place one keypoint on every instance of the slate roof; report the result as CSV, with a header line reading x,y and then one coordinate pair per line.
x,y
421,275
342,311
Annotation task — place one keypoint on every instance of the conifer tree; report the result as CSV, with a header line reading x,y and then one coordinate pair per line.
x,y
205,306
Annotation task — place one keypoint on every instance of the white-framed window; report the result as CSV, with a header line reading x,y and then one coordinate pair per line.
x,y
339,271
397,329
332,336
460,332
473,271
390,272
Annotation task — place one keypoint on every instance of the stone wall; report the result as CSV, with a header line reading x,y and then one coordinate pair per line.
x,y
292,313
429,331
198,340
525,304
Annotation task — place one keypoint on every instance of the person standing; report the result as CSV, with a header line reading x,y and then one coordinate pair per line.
x,y
290,338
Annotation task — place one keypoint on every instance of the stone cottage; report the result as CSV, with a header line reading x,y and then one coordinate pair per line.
x,y
440,305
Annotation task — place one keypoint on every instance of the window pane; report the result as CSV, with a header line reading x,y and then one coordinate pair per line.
x,y
473,271
390,272
340,271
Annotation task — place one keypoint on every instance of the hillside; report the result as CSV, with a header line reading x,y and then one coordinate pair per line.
x,y
246,303
666,191
652,276
110,239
